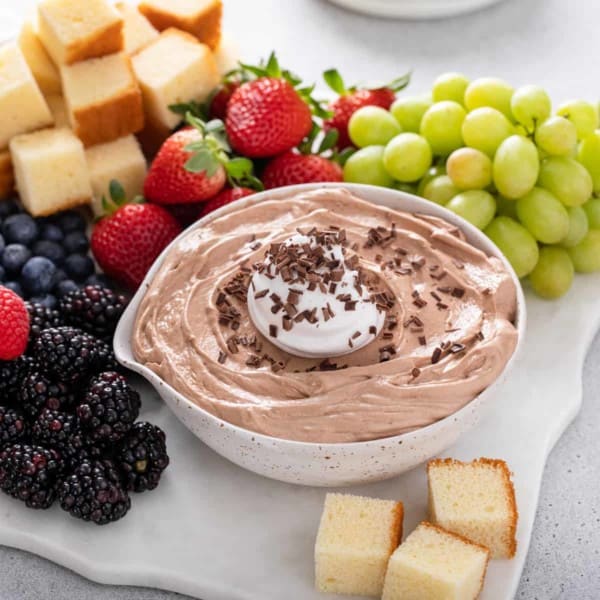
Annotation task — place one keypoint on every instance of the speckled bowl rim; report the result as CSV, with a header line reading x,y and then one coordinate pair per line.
x,y
122,342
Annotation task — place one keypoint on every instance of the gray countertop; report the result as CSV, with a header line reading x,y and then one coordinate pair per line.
x,y
552,43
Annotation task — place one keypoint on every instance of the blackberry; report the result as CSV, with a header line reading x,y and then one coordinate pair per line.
x,y
109,408
93,492
142,457
41,318
12,374
69,354
94,309
29,473
38,392
12,426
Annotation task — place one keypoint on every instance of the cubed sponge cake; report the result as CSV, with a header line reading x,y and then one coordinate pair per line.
x,y
22,106
174,68
356,538
201,18
40,63
137,30
433,564
475,500
121,160
50,170
104,101
74,30
7,175
58,108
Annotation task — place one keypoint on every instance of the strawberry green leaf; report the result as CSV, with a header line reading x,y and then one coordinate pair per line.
x,y
334,80
139,199
239,167
273,69
193,107
117,193
258,71
254,183
342,157
202,161
291,78
400,82
195,146
329,141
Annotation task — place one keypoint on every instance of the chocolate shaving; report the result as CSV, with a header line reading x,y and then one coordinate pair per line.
x,y
435,357
222,357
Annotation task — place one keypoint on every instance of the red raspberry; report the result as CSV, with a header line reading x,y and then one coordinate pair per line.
x,y
14,325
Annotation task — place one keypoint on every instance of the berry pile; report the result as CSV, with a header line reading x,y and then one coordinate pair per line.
x,y
41,259
68,427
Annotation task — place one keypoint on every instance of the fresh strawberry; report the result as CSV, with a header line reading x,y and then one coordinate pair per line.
x,y
220,99
129,239
351,99
270,114
14,325
186,169
225,197
292,168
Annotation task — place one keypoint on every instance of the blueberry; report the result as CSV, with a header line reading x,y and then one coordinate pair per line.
x,y
20,229
51,233
59,276
64,287
2,244
14,258
47,300
2,273
79,266
76,242
99,279
8,207
37,276
15,287
50,250
71,221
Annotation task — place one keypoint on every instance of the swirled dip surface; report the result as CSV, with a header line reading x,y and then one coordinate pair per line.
x,y
448,332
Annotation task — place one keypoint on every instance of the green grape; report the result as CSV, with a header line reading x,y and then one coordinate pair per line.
x,y
516,166
592,211
469,169
485,129
489,91
582,114
556,136
553,274
578,227
586,255
366,166
516,243
506,207
589,156
543,215
530,105
409,111
432,172
372,126
476,206
407,157
568,180
441,127
450,86
440,190
409,188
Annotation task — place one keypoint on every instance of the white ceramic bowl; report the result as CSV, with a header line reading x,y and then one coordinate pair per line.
x,y
414,9
312,463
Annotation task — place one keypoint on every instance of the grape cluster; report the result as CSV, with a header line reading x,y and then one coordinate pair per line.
x,y
501,158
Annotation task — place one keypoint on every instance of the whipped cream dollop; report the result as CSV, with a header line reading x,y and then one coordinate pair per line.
x,y
310,298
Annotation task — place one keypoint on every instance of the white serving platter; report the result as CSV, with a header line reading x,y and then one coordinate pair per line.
x,y
216,532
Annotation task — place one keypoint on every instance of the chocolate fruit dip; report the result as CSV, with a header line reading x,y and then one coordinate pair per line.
x,y
320,317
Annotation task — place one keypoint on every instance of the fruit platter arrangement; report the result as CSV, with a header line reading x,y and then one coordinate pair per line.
x,y
97,181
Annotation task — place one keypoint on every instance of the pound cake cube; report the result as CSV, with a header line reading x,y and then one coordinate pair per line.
x,y
137,30
41,65
227,55
433,564
22,106
121,160
103,99
50,171
174,68
74,30
475,500
7,175
201,18
356,538
58,108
